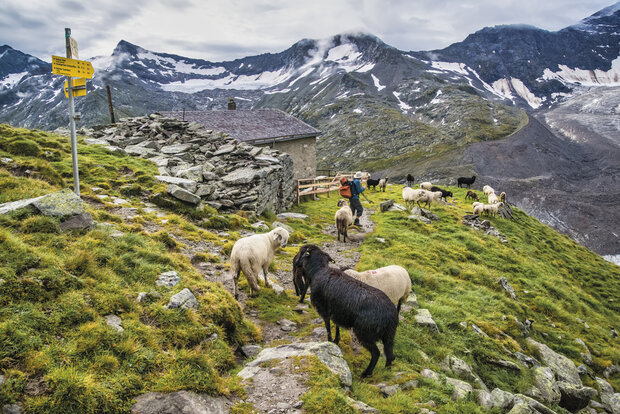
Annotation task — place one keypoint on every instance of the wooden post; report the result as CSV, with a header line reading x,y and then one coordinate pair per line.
x,y
298,182
107,88
74,155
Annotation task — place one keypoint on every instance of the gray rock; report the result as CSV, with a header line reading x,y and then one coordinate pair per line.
x,y
526,361
564,368
6,160
611,370
179,402
284,226
506,364
361,407
184,299
610,400
78,222
419,218
114,322
2,379
461,388
504,284
478,330
64,203
243,176
424,318
276,287
545,388
319,332
409,385
182,194
417,211
285,216
175,149
11,409
385,206
287,325
169,279
138,150
192,173
189,185
260,225
575,397
251,350
501,399
484,399
398,207
224,149
389,390
327,352
462,370
95,141
412,300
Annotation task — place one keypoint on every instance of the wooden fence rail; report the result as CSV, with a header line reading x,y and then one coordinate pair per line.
x,y
321,184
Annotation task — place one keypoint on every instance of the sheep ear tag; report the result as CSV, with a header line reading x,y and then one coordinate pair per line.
x,y
308,253
332,261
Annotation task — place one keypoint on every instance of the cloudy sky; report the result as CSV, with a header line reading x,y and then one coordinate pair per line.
x,y
228,29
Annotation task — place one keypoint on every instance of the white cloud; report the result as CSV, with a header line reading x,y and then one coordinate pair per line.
x,y
225,30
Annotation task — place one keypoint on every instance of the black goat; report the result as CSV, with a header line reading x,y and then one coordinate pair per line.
x,y
348,302
410,180
444,193
372,183
466,181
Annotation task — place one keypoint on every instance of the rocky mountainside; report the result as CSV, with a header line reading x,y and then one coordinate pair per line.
x,y
380,108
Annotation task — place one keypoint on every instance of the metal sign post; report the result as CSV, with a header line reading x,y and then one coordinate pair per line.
x,y
74,159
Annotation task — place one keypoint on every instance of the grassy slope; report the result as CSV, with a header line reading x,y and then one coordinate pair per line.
x,y
57,288
455,271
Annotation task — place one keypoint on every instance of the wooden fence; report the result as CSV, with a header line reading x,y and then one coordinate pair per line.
x,y
322,184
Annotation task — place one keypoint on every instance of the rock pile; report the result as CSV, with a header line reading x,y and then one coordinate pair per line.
x,y
201,165
473,221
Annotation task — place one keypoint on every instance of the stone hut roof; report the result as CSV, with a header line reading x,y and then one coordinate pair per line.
x,y
256,126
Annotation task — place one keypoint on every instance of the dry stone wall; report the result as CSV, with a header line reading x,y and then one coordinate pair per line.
x,y
201,165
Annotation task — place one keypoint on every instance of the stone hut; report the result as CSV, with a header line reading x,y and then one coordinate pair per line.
x,y
264,128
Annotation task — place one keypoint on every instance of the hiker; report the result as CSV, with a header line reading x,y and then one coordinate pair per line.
x,y
354,201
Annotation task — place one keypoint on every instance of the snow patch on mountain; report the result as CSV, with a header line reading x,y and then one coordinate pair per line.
x,y
179,66
614,258
403,106
585,77
108,63
377,83
12,79
365,68
504,88
451,67
262,80
346,52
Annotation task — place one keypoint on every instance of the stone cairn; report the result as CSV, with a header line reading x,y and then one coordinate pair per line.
x,y
201,165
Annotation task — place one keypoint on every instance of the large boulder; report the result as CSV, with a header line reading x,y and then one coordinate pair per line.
x,y
179,402
545,388
609,399
185,299
564,368
575,397
327,352
182,194
424,318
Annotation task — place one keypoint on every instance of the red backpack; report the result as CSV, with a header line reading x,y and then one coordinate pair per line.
x,y
345,188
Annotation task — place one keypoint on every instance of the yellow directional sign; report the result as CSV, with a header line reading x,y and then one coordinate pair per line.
x,y
79,87
72,67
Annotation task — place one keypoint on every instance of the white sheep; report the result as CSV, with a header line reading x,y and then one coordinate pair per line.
x,y
487,189
412,196
382,184
433,197
344,218
493,199
426,185
392,280
478,208
491,209
253,253
476,203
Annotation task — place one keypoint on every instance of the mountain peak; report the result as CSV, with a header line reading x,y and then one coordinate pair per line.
x,y
125,47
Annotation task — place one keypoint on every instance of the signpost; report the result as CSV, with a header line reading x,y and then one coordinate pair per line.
x,y
81,70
